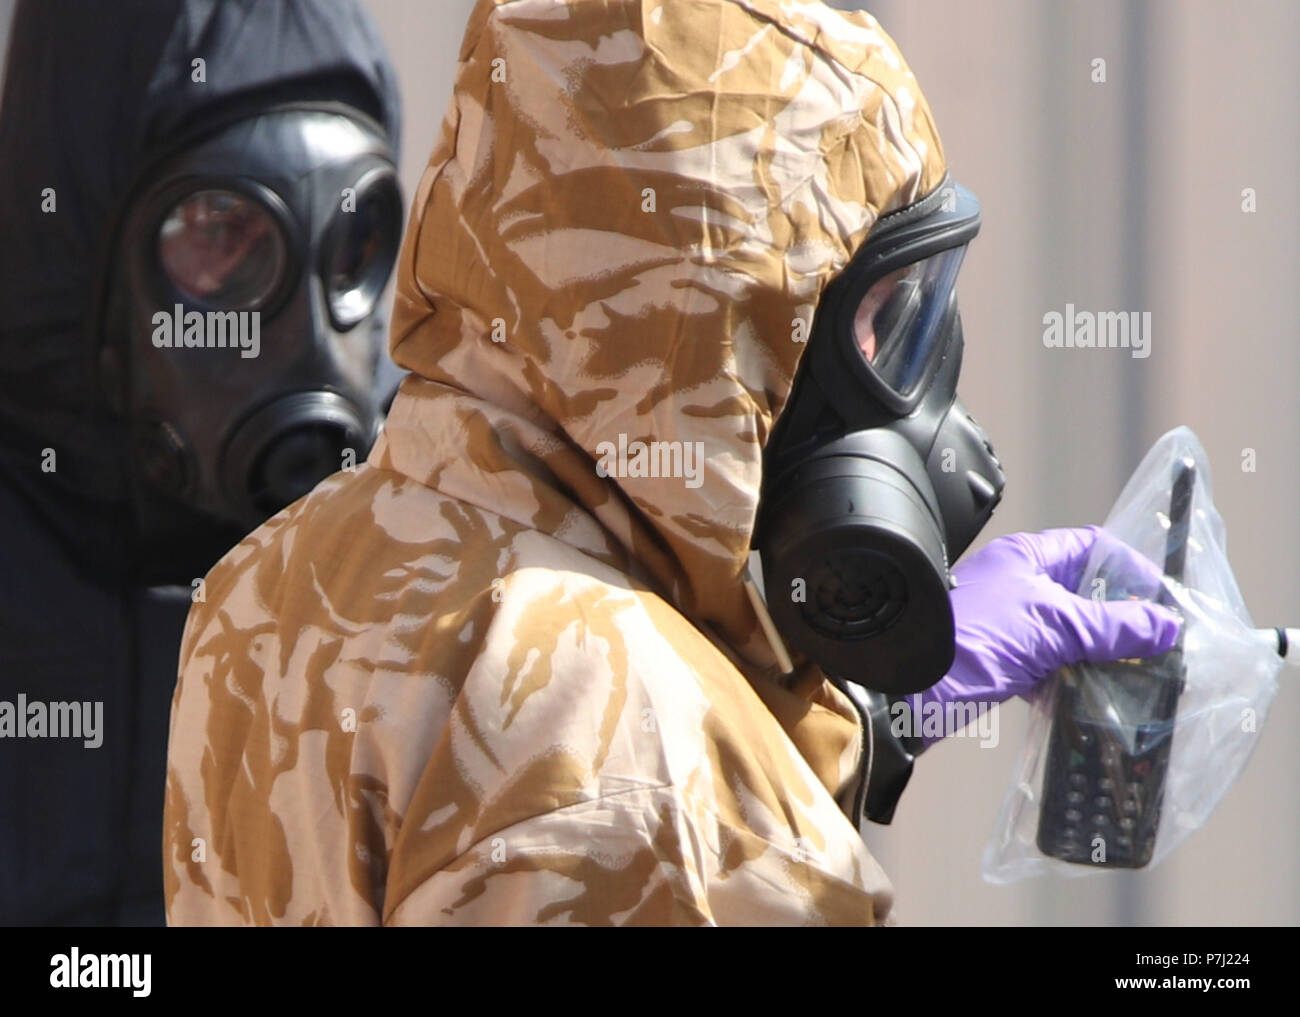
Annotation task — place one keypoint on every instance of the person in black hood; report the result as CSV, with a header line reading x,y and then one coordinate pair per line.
x,y
199,215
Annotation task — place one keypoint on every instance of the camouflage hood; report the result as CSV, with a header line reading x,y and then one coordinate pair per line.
x,y
614,258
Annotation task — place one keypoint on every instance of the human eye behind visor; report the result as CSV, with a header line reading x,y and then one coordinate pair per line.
x,y
897,322
222,249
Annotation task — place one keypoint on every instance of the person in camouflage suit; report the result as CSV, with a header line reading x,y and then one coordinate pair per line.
x,y
497,674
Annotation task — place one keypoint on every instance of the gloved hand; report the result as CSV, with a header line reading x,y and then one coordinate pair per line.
x,y
1018,618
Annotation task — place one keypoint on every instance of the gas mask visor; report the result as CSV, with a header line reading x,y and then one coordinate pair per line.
x,y
892,311
229,250
876,478
897,323
224,249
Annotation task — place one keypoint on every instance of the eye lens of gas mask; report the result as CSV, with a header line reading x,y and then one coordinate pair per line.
x,y
898,321
361,248
222,249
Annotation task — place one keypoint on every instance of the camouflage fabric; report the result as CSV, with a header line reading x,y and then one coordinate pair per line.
x,y
506,670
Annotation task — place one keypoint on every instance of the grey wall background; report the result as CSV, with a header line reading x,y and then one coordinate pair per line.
x,y
1125,195
1121,196
6,15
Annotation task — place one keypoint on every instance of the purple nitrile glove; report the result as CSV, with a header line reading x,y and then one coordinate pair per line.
x,y
1018,618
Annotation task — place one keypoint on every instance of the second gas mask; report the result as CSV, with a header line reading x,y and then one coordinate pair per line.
x,y
239,336
876,478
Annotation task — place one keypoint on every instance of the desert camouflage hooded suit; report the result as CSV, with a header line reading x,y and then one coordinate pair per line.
x,y
501,672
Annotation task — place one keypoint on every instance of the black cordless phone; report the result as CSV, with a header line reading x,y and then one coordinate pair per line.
x,y
1112,731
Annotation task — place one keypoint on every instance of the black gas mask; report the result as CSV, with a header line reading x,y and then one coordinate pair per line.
x,y
876,478
240,339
